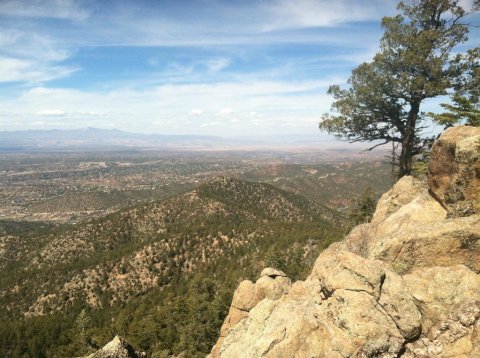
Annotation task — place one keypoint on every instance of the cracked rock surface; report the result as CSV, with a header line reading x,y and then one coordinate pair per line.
x,y
405,285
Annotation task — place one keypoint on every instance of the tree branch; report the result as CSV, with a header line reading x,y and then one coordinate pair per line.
x,y
375,146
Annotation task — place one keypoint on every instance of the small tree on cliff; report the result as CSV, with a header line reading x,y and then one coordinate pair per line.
x,y
383,100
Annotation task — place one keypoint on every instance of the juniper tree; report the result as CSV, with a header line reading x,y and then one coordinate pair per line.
x,y
382,103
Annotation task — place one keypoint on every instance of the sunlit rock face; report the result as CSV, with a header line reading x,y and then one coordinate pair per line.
x,y
406,284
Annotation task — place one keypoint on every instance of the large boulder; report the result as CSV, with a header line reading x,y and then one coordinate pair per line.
x,y
454,170
345,270
367,311
406,284
272,284
446,243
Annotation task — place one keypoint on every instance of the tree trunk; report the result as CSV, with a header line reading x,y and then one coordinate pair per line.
x,y
405,160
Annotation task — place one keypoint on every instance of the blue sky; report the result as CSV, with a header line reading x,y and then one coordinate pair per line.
x,y
181,67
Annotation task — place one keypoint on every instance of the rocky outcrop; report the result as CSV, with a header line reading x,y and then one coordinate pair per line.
x,y
271,285
454,171
406,284
116,348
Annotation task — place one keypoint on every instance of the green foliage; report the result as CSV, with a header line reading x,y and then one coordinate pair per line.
x,y
420,169
329,184
83,322
363,208
413,64
183,312
421,160
465,105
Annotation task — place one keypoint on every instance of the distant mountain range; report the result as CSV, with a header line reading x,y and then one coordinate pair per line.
x,y
92,138
95,138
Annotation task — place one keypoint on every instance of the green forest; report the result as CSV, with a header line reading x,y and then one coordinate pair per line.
x,y
184,309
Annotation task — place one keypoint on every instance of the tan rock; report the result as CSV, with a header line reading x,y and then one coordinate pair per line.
x,y
403,192
397,301
357,241
446,243
439,291
215,352
454,170
454,337
234,316
272,288
345,270
359,326
308,289
405,206
349,323
421,210
243,298
272,285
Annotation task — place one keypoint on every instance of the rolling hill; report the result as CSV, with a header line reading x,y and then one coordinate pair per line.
x,y
182,255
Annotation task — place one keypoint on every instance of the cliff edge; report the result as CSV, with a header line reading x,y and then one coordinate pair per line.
x,y
406,284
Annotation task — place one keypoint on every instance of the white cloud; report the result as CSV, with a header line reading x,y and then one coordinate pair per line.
x,y
224,112
287,14
13,70
51,113
28,56
31,44
263,104
217,64
242,23
8,37
60,9
31,52
466,4
91,113
211,124
153,61
175,70
195,112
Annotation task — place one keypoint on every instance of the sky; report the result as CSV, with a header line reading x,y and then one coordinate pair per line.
x,y
209,67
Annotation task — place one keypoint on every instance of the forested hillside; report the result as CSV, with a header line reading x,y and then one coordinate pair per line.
x,y
160,274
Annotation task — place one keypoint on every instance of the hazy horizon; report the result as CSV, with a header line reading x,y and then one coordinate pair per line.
x,y
98,139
